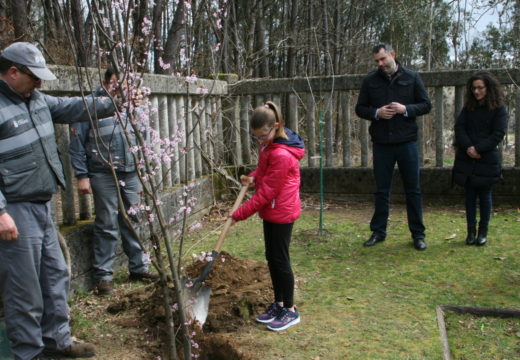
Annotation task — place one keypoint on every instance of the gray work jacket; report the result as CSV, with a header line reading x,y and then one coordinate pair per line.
x,y
90,148
30,167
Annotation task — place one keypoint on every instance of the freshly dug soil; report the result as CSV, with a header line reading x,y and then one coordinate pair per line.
x,y
240,289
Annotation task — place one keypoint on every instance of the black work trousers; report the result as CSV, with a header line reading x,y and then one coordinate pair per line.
x,y
277,239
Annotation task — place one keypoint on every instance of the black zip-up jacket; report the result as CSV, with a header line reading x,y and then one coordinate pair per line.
x,y
405,87
484,129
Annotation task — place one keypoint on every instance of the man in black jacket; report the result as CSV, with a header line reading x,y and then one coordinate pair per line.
x,y
391,97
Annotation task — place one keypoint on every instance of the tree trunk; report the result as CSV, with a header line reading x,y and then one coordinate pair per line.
x,y
157,33
262,68
19,18
76,13
175,35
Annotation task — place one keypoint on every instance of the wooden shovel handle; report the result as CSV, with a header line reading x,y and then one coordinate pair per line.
x,y
229,221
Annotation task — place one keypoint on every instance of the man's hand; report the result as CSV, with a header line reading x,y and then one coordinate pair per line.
x,y
8,229
84,186
386,112
398,107
472,153
247,180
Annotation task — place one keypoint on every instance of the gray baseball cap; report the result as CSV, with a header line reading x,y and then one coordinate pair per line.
x,y
27,54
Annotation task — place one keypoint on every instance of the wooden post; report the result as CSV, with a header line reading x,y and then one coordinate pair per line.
x,y
439,126
245,137
344,99
67,195
292,113
310,121
164,134
329,135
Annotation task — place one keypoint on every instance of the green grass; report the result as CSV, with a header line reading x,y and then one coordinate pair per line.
x,y
379,302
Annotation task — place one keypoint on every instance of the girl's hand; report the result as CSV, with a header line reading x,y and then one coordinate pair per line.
x,y
247,180
230,215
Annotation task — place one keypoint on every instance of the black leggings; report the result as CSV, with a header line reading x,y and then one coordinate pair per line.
x,y
277,238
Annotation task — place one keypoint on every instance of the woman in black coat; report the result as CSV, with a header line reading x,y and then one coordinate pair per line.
x,y
479,129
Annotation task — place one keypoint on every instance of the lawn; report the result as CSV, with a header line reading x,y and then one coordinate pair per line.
x,y
379,302
359,303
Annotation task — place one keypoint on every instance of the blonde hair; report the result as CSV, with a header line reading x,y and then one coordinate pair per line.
x,y
269,114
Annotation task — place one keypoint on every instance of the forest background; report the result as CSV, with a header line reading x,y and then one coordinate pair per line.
x,y
272,38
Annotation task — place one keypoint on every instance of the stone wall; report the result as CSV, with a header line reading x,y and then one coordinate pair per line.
x,y
437,187
79,237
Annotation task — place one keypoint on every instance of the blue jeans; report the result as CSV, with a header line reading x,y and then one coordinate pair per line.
x,y
406,155
484,195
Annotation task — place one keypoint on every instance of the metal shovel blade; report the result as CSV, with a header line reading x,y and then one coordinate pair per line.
x,y
200,305
196,294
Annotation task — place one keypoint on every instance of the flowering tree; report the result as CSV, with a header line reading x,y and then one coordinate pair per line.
x,y
126,34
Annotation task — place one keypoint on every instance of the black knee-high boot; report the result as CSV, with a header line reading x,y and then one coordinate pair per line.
x,y
482,235
472,231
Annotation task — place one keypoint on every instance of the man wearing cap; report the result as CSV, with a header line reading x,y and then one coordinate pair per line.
x,y
33,275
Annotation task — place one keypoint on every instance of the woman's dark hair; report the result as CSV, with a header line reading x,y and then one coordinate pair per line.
x,y
268,114
494,96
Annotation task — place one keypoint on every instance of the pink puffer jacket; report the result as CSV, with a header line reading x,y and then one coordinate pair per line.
x,y
277,180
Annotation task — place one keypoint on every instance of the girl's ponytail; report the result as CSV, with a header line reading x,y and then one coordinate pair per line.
x,y
280,132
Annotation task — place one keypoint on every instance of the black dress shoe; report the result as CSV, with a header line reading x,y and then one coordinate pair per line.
x,y
419,244
374,239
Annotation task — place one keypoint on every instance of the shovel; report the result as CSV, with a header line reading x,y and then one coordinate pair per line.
x,y
198,294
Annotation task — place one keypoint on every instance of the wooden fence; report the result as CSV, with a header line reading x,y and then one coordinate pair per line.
x,y
215,117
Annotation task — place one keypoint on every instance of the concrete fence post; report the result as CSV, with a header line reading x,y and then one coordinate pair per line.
x,y
310,121
517,127
173,134
292,112
164,134
344,102
67,195
245,136
329,130
439,126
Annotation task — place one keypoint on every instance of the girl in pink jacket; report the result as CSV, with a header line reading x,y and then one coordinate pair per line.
x,y
277,201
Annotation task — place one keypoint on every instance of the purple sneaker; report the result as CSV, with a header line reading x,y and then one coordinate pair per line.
x,y
285,319
270,313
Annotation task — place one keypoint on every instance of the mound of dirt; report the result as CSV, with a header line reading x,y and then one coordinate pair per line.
x,y
240,289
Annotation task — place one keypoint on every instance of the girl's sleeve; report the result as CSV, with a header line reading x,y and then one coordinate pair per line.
x,y
272,183
499,125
